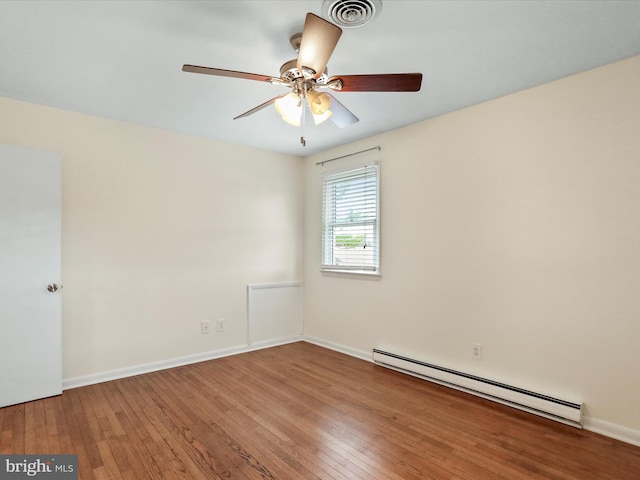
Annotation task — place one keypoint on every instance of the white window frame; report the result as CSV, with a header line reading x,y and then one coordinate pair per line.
x,y
329,260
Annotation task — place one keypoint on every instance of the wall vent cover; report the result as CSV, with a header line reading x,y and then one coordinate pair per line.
x,y
351,13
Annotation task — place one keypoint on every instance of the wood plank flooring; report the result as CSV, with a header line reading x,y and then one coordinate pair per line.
x,y
300,411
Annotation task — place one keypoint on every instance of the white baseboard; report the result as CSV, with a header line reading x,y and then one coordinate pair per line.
x,y
612,430
91,379
354,352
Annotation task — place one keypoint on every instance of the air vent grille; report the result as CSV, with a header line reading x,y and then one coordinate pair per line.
x,y
351,13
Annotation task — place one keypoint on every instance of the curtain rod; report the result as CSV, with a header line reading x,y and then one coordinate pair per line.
x,y
377,147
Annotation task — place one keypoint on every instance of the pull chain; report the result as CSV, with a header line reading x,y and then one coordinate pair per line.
x,y
303,100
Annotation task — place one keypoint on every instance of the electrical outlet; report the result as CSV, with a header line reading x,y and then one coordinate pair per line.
x,y
204,326
476,351
220,325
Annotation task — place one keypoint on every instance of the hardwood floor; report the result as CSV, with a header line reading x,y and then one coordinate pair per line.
x,y
299,411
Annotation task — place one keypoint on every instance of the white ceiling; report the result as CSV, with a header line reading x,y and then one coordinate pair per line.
x,y
122,60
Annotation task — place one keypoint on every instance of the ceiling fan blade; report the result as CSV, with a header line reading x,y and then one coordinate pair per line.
x,y
226,73
341,115
384,82
319,38
260,107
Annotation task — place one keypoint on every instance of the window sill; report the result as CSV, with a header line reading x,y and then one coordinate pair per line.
x,y
355,273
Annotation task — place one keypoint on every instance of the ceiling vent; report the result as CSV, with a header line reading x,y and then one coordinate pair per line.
x,y
351,13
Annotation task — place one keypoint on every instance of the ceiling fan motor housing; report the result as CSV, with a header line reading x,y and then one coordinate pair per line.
x,y
289,73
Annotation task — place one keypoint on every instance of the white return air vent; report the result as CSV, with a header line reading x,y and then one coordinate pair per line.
x,y
351,13
543,405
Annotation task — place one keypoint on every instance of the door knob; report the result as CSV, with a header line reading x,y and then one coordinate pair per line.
x,y
52,287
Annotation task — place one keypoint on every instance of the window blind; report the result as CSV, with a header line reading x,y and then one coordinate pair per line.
x,y
350,219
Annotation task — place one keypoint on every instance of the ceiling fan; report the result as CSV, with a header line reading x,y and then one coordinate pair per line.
x,y
307,77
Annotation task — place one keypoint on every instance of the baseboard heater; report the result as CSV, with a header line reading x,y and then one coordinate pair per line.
x,y
536,403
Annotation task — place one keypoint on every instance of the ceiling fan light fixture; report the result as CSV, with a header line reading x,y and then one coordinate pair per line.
x,y
318,102
319,105
290,108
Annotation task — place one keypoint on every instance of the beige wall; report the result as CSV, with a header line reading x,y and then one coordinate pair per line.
x,y
513,224
160,231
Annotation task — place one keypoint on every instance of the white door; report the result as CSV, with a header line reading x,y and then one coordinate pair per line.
x,y
30,259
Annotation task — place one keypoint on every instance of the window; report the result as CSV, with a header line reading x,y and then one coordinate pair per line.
x,y
350,219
